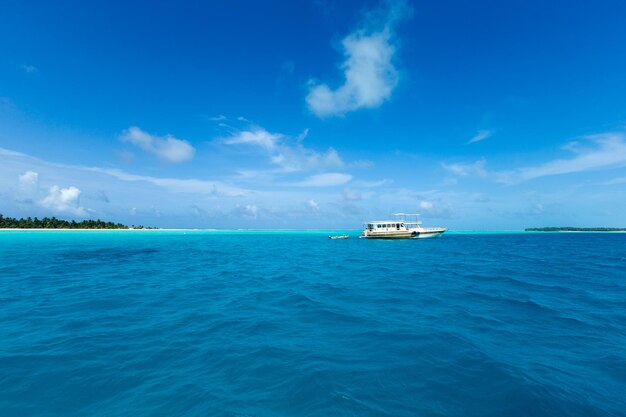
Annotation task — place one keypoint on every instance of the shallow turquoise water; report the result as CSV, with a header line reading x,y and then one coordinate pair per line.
x,y
251,323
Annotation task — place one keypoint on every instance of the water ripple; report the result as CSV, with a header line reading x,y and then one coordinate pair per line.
x,y
292,324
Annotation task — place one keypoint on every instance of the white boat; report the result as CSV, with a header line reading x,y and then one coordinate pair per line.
x,y
405,226
333,237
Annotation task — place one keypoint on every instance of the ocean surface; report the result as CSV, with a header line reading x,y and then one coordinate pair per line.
x,y
197,323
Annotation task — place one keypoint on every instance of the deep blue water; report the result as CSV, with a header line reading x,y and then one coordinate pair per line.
x,y
160,323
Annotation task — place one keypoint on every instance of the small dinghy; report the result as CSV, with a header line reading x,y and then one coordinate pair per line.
x,y
338,237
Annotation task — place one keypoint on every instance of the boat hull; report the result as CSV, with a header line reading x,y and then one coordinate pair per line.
x,y
430,233
400,234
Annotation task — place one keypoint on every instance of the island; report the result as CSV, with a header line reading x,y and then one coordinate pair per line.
x,y
54,223
575,229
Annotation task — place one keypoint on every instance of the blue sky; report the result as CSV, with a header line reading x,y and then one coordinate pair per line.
x,y
314,114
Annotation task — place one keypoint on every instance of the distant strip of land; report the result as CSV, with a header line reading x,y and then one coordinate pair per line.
x,y
575,229
54,223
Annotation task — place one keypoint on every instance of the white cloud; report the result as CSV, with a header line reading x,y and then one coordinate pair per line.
x,y
29,179
167,148
218,118
58,200
288,154
373,184
313,206
350,194
368,68
302,135
362,164
298,158
480,135
64,200
252,209
608,151
257,136
426,205
468,169
28,187
247,210
29,69
186,185
8,152
435,208
330,179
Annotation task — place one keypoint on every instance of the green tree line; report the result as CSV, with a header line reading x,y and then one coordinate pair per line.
x,y
54,223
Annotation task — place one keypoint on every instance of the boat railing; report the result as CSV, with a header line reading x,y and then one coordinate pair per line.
x,y
409,219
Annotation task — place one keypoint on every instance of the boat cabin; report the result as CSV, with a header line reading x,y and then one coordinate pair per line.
x,y
385,226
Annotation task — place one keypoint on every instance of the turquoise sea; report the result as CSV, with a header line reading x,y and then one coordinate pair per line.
x,y
200,323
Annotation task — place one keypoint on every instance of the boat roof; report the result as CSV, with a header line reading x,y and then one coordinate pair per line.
x,y
385,221
408,218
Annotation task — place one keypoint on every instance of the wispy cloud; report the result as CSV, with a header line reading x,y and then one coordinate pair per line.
x,y
179,185
289,154
616,181
313,206
480,135
298,158
329,179
373,184
257,136
187,185
595,152
368,68
350,194
476,168
248,210
435,208
8,152
608,151
167,148
29,69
